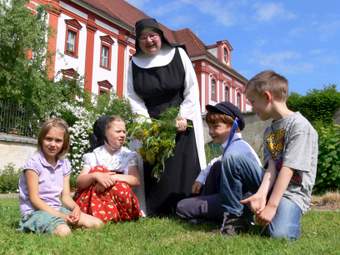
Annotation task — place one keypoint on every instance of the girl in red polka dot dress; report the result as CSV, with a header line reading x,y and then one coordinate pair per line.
x,y
110,170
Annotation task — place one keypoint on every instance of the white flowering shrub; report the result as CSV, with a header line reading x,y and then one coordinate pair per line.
x,y
81,115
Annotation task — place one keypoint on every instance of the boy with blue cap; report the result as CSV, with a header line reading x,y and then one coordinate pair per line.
x,y
237,172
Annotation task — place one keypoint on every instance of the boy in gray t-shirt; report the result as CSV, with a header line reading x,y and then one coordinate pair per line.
x,y
291,151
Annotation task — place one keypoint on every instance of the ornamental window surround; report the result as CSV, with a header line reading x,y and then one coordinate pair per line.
x,y
73,28
106,43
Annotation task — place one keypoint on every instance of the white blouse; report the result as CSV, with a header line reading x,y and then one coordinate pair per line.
x,y
120,161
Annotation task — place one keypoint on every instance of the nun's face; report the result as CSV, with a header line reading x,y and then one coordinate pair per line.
x,y
150,42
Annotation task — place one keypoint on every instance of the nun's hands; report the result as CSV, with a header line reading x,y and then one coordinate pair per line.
x,y
181,124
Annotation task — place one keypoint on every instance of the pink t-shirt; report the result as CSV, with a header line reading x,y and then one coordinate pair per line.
x,y
51,182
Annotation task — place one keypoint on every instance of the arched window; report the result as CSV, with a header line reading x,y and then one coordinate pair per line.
x,y
213,89
225,55
238,100
226,93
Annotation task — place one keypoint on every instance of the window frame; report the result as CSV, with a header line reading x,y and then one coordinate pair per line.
x,y
107,42
72,26
213,89
104,87
226,88
239,100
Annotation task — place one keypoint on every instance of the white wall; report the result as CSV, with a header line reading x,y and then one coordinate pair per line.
x,y
64,61
14,150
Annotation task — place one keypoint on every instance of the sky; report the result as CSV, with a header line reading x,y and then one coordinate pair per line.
x,y
299,39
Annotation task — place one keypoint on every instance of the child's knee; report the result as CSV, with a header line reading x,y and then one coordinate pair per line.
x,y
285,232
62,230
89,221
97,223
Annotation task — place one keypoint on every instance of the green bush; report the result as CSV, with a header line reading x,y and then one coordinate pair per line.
x,y
9,178
212,150
328,175
317,105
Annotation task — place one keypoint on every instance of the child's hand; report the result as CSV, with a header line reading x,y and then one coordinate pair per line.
x,y
255,202
74,216
266,215
196,187
99,188
105,179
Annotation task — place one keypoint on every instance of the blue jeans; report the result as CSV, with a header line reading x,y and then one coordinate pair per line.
x,y
240,176
287,220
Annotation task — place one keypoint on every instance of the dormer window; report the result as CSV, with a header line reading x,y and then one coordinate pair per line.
x,y
225,55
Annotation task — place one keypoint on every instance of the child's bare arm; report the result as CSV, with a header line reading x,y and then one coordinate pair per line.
x,y
257,202
280,186
66,198
268,179
132,178
33,193
68,202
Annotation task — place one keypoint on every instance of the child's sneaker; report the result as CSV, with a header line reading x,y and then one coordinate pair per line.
x,y
233,225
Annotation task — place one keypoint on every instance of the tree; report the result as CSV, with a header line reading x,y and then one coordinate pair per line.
x,y
23,58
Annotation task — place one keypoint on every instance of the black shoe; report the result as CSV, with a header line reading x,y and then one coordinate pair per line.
x,y
233,225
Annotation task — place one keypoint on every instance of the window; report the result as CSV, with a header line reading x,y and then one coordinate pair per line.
x,y
104,58
213,90
71,41
226,93
225,55
104,87
69,74
105,52
238,100
72,37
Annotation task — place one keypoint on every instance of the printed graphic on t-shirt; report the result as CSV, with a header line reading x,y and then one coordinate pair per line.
x,y
275,145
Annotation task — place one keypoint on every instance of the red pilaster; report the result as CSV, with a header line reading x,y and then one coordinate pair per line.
x,y
91,30
122,43
54,13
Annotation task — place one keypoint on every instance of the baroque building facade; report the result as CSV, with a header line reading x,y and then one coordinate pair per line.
x,y
95,40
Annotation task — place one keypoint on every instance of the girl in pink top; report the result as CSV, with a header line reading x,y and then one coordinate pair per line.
x,y
44,186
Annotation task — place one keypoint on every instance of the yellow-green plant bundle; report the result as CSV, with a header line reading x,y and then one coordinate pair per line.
x,y
158,139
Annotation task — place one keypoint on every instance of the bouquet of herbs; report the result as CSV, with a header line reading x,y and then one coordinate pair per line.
x,y
158,139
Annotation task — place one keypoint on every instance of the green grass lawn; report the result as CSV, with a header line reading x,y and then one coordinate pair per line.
x,y
320,235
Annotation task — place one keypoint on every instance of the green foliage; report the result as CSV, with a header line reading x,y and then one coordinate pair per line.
x,y
212,150
9,178
317,105
328,175
158,139
24,81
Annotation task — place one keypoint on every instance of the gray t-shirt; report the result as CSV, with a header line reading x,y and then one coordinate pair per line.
x,y
293,142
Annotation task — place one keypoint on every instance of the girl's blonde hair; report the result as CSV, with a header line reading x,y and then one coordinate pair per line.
x,y
47,126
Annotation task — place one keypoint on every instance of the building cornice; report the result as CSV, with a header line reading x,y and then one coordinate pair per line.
x,y
103,15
